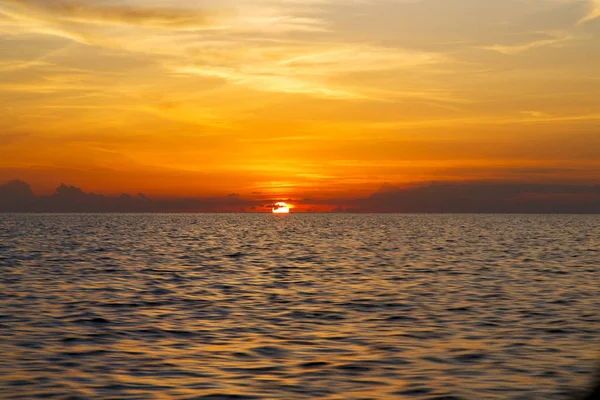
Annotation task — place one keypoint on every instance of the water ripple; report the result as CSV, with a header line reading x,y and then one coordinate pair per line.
x,y
301,306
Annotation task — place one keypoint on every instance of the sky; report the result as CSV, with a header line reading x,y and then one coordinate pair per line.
x,y
298,99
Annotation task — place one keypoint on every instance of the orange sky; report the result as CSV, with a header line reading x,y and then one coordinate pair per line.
x,y
318,98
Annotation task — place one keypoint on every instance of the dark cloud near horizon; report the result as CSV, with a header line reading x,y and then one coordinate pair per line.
x,y
17,196
437,197
483,197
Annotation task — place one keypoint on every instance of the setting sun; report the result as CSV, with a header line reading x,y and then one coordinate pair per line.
x,y
281,208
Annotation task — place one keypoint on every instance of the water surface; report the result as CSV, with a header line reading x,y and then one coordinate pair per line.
x,y
299,306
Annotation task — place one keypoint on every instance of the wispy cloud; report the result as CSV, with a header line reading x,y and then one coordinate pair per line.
x,y
535,114
197,84
302,69
555,39
241,45
90,12
594,11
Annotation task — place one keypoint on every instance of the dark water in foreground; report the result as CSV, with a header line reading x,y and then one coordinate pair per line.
x,y
298,306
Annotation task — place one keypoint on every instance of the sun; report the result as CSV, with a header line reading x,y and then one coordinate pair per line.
x,y
281,208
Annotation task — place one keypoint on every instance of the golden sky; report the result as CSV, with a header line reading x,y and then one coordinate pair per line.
x,y
315,98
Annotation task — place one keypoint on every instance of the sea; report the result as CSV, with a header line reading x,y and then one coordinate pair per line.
x,y
299,306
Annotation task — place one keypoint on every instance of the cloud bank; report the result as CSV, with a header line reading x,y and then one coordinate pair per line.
x,y
17,196
484,197
463,197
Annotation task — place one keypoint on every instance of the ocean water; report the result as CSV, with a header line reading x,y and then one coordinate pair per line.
x,y
298,306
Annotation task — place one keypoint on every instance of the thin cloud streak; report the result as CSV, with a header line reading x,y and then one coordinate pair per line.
x,y
594,13
87,12
557,39
305,69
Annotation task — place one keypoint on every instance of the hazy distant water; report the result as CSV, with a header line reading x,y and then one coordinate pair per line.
x,y
298,306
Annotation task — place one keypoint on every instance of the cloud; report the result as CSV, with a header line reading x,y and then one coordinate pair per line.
x,y
17,196
535,114
269,82
594,12
484,197
306,69
309,81
16,65
135,25
556,38
80,11
242,43
437,197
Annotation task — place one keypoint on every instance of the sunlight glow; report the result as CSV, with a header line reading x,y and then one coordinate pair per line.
x,y
298,100
281,208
